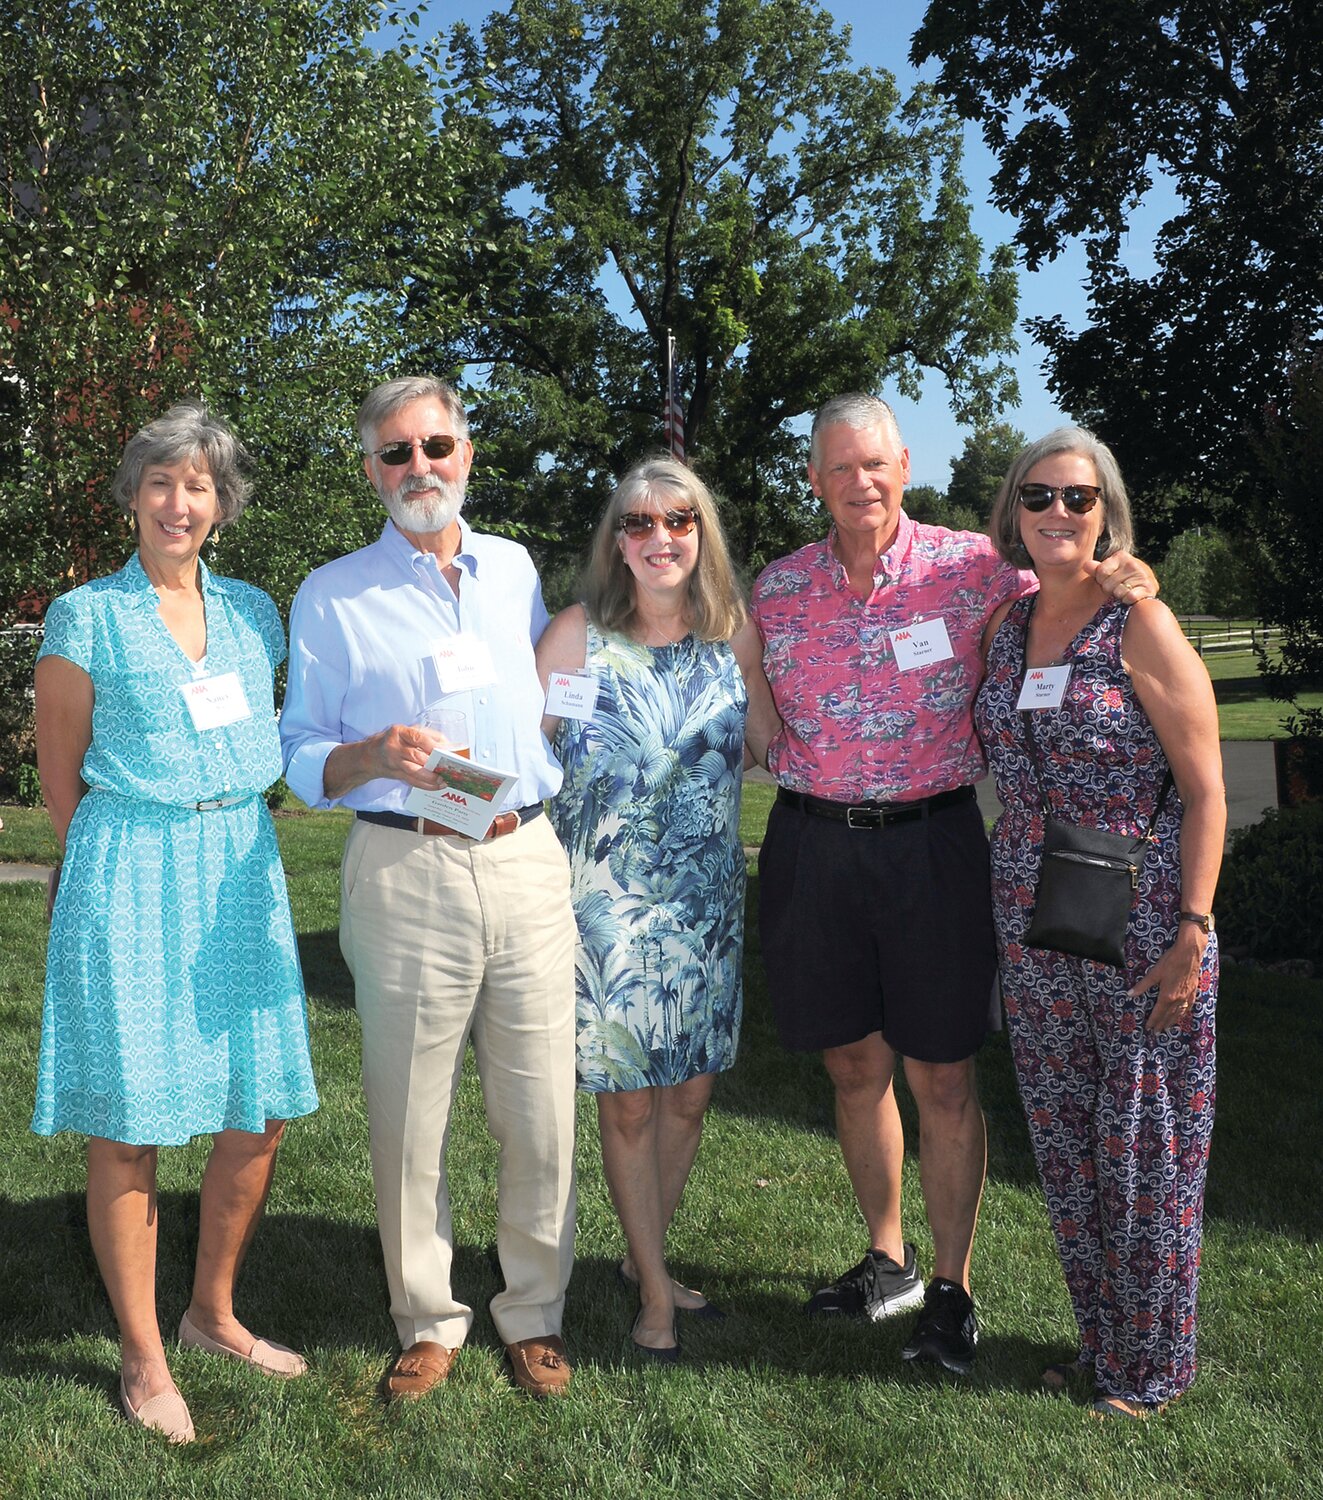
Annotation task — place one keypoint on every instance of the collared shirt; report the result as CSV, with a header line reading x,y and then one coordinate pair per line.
x,y
856,726
144,742
364,633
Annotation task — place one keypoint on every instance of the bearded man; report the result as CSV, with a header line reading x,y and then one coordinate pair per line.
x,y
449,938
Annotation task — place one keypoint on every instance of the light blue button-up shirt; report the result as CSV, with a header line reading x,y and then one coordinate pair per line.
x,y
364,631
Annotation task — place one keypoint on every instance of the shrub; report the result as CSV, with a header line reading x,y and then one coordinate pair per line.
x,y
1271,889
18,749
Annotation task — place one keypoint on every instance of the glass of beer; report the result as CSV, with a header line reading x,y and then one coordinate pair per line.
x,y
451,728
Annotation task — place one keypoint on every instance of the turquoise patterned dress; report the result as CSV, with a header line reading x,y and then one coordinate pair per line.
x,y
174,1000
649,815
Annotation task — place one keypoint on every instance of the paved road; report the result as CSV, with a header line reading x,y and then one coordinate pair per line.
x,y
1247,764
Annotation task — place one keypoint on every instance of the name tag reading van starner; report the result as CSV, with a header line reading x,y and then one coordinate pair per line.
x,y
1043,687
463,662
214,702
469,797
572,695
921,644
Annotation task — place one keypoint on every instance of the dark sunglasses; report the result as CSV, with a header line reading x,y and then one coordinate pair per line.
x,y
676,522
439,445
1079,499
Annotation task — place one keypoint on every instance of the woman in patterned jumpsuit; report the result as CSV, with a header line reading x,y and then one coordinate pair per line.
x,y
1115,1065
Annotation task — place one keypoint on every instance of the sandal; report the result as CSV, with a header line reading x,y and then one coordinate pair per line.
x,y
1130,1411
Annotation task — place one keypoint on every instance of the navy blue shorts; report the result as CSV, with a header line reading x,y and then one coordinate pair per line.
x,y
886,929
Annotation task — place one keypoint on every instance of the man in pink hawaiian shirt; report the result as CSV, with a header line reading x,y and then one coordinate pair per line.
x,y
875,910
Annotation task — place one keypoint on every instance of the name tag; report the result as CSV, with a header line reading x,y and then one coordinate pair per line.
x,y
463,662
572,695
921,645
214,702
1043,687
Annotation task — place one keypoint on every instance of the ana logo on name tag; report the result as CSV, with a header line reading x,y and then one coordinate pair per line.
x,y
1043,687
463,662
214,702
572,695
922,644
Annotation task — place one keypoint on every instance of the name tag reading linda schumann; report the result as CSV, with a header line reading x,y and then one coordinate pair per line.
x,y
214,702
572,695
1043,687
922,644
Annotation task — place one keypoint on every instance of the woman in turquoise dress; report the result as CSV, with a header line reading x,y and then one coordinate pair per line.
x,y
653,682
174,1001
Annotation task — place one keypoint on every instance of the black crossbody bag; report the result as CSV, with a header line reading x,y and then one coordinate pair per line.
x,y
1088,879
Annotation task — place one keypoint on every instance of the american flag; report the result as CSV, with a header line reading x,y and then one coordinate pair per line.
x,y
673,410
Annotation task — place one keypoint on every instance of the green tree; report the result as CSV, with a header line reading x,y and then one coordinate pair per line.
x,y
978,470
1085,107
228,200
720,168
1184,572
926,503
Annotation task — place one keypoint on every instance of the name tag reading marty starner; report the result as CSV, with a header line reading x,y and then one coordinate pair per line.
x,y
1043,687
921,644
469,797
214,702
572,695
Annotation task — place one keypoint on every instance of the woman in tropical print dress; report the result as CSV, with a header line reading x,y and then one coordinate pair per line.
x,y
1115,1065
649,681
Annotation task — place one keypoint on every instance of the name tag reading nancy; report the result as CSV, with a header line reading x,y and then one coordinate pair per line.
x,y
1043,687
572,695
463,662
921,645
214,702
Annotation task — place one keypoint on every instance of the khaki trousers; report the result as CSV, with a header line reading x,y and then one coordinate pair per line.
x,y
449,940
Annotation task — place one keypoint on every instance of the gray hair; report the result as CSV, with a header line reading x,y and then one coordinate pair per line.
x,y
187,431
1118,529
394,395
715,606
855,409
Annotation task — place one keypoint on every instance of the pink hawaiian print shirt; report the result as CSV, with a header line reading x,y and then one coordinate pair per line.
x,y
857,727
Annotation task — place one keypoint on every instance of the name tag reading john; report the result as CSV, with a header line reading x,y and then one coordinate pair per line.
x,y
921,645
1043,687
214,702
463,662
572,695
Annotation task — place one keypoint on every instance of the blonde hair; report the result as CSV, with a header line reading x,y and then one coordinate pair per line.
x,y
715,607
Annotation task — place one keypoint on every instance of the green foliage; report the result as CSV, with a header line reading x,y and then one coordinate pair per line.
x,y
18,751
211,199
1086,107
1271,888
724,170
925,502
978,470
1204,574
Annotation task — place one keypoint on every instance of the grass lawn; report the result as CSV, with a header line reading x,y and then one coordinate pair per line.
x,y
762,1404
1243,711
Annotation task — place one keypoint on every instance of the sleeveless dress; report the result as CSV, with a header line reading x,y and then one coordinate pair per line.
x,y
649,817
1120,1118
174,999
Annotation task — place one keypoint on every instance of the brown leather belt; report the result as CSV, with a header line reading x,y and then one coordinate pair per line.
x,y
874,814
503,823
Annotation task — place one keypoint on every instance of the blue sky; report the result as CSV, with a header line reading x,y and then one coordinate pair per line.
x,y
880,37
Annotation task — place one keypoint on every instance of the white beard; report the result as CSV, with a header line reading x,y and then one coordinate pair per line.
x,y
423,503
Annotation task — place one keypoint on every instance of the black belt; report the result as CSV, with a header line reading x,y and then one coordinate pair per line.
x,y
874,814
502,824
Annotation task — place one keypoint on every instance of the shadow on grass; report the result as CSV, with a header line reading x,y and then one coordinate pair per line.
x,y
325,975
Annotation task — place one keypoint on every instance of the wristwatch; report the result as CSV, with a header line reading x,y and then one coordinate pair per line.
x,y
1201,919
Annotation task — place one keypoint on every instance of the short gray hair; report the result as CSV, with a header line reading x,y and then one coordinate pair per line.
x,y
1118,529
855,409
394,395
187,431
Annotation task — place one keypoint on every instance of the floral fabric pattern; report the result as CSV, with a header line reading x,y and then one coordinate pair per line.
x,y
1120,1118
857,727
174,999
649,817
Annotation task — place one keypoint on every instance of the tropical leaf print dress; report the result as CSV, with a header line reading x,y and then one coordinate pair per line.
x,y
649,816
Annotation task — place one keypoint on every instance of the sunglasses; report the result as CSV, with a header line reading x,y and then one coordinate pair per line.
x,y
1079,499
676,522
439,445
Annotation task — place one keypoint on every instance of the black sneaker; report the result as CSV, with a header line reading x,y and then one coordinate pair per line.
x,y
875,1289
946,1331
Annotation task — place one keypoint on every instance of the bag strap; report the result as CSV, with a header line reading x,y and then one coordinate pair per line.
x,y
1027,714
